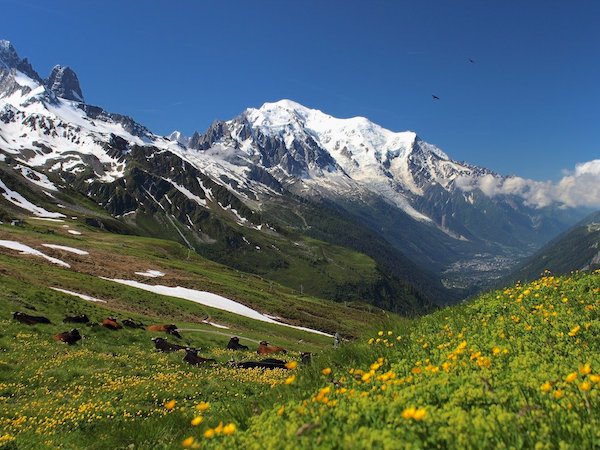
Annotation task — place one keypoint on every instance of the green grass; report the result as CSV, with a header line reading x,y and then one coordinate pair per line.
x,y
517,368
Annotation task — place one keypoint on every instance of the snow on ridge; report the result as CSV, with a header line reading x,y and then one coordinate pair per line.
x,y
208,299
186,192
27,250
36,178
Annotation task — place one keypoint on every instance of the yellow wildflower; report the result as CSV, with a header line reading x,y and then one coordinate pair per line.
x,y
571,377
420,414
409,413
188,442
585,369
574,330
170,404
558,394
585,386
280,411
326,371
594,378
546,387
197,421
209,433
202,406
229,429
380,333
291,365
290,380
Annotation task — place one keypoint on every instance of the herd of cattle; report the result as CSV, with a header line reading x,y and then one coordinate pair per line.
x,y
161,344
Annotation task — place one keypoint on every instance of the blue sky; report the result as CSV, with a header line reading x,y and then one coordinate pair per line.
x,y
529,105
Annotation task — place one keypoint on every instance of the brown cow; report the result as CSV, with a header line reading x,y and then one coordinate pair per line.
x,y
264,348
111,323
69,337
28,319
169,329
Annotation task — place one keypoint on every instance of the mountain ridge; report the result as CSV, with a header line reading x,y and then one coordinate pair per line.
x,y
397,188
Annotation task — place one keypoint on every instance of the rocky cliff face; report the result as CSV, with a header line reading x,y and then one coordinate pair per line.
x,y
63,82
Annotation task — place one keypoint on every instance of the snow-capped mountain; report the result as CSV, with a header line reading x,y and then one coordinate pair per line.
x,y
270,170
314,151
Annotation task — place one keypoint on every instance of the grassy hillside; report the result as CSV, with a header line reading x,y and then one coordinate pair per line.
x,y
513,368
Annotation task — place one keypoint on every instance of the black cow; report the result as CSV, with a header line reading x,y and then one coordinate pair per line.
x,y
234,344
28,319
269,363
131,324
305,357
70,337
162,345
191,357
81,318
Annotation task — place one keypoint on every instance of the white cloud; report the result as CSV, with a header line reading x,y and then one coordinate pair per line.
x,y
580,187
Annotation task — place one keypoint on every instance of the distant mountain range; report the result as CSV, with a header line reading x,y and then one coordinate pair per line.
x,y
252,191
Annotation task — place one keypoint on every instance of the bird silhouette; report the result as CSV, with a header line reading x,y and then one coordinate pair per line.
x,y
471,61
435,97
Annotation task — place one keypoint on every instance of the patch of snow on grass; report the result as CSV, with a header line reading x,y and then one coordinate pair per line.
x,y
67,249
208,299
26,250
76,294
49,220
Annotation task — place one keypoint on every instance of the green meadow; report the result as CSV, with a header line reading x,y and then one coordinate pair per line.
x,y
514,368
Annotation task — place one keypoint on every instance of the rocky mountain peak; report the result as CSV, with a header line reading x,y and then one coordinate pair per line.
x,y
63,82
9,59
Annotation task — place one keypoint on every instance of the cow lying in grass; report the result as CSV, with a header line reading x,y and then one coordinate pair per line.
x,y
191,357
111,323
81,318
268,363
28,319
69,337
169,329
264,348
234,344
131,324
162,345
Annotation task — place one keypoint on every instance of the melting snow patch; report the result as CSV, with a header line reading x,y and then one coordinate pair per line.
x,y
49,220
67,249
20,201
208,299
83,296
151,273
73,232
26,250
